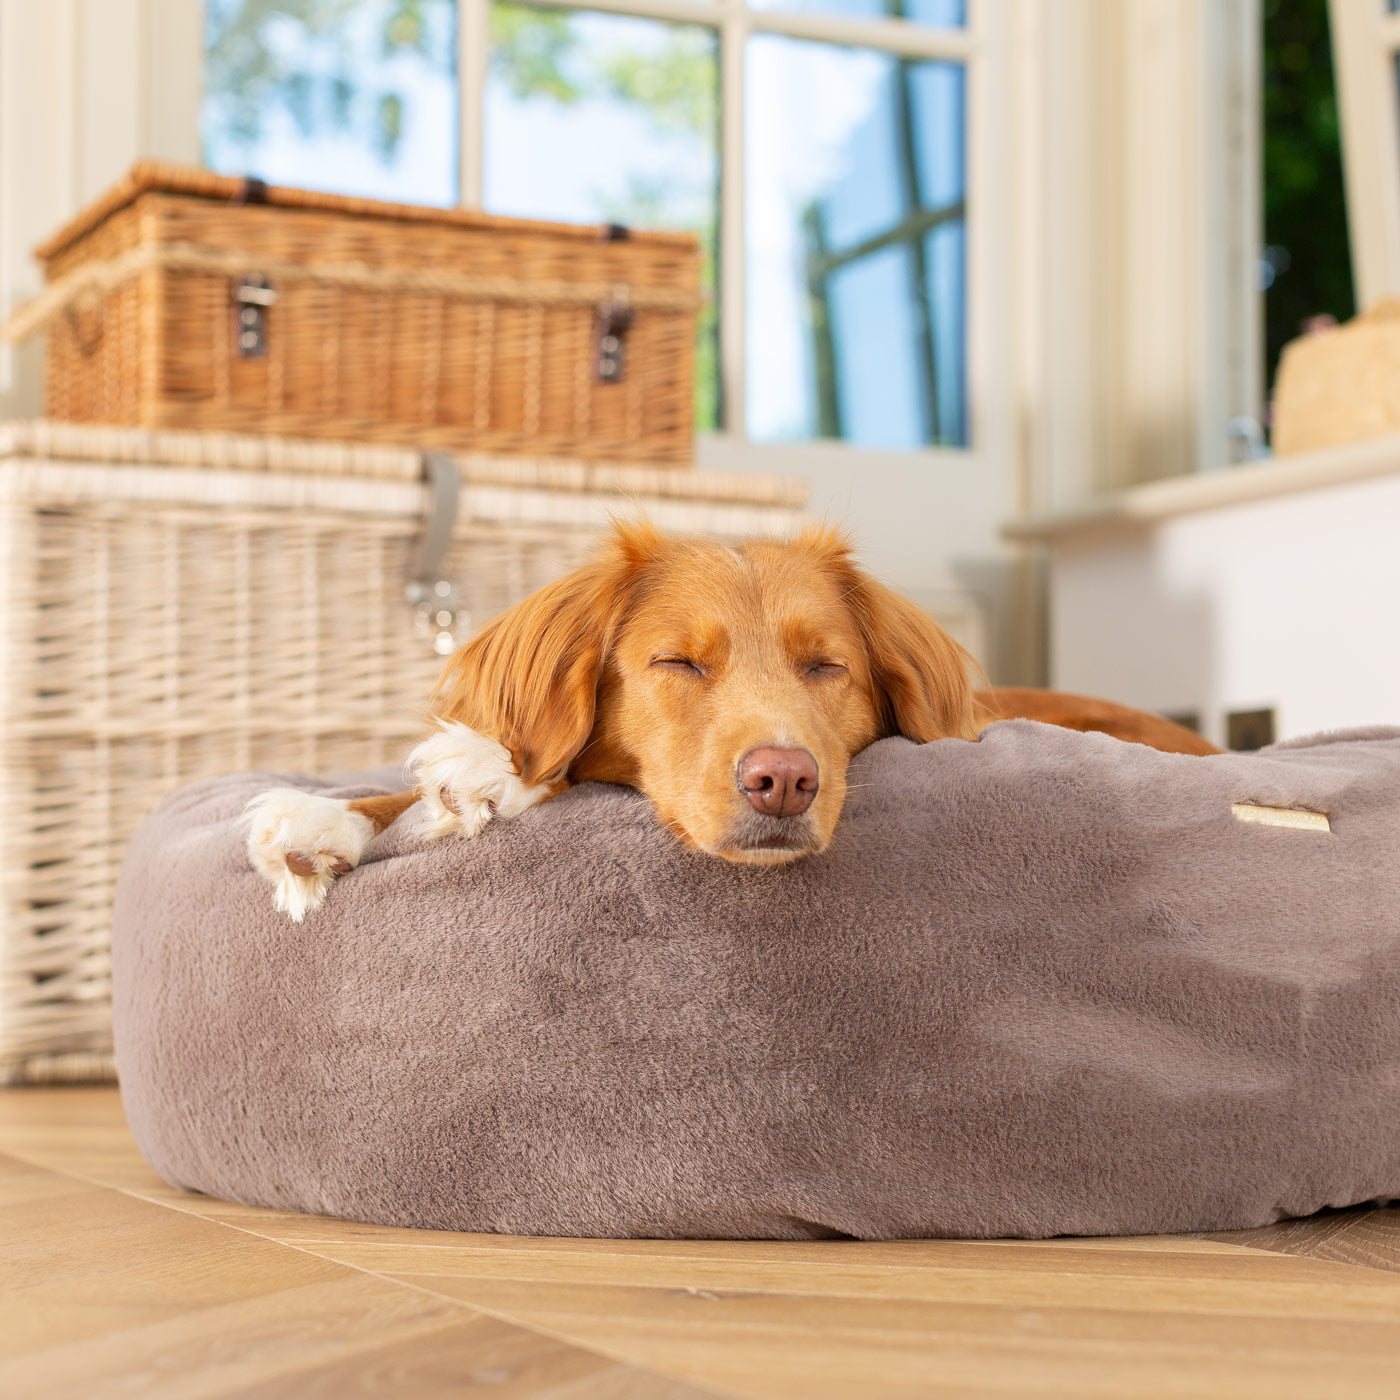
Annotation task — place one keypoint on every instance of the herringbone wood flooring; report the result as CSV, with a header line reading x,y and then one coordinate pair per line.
x,y
116,1285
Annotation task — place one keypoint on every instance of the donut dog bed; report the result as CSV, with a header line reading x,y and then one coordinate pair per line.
x,y
1047,983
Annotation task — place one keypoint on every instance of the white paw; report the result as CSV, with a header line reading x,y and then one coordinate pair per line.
x,y
464,779
300,842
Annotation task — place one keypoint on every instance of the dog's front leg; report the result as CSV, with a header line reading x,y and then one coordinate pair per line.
x,y
465,780
300,841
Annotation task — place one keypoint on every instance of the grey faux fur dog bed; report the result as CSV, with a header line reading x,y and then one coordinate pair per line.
x,y
1047,983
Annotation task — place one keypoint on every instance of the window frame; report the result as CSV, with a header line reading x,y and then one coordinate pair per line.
x,y
1365,51
733,22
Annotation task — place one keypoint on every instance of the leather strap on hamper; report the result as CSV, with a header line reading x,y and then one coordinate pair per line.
x,y
437,616
94,280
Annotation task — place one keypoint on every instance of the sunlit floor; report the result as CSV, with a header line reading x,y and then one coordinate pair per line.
x,y
114,1284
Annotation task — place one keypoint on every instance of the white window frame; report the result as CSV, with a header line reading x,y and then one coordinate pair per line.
x,y
1365,44
734,22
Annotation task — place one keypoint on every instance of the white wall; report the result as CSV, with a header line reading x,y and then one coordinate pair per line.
x,y
1286,603
87,87
926,524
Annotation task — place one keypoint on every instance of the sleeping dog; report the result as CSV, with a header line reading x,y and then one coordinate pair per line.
x,y
731,685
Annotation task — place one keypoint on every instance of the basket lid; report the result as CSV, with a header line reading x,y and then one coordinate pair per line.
x,y
263,456
165,178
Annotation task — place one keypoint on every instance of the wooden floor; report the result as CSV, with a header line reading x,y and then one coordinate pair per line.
x,y
116,1285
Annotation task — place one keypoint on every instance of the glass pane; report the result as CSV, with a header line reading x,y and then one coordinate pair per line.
x,y
856,246
944,13
352,96
592,118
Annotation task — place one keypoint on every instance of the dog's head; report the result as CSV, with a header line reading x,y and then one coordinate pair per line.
x,y
731,685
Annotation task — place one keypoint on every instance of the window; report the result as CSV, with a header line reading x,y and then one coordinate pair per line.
x,y
1305,270
817,147
853,245
1366,51
357,98
592,117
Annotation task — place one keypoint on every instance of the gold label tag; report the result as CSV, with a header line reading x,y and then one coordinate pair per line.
x,y
1281,816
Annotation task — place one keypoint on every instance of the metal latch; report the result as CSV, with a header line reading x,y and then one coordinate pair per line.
x,y
252,295
438,617
611,324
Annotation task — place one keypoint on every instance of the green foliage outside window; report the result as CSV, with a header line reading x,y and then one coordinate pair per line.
x,y
251,75
1306,262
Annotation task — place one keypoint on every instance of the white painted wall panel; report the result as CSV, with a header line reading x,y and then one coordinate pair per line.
x,y
87,87
1289,603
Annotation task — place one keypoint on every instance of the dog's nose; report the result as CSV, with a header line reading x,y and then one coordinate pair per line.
x,y
778,782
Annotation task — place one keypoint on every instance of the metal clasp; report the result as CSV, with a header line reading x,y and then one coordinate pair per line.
x,y
612,322
438,618
252,295
437,615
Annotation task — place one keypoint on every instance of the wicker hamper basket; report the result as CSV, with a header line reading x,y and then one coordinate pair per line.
x,y
1340,385
174,606
184,299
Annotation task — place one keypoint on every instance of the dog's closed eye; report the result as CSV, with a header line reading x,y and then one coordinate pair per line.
x,y
680,664
825,668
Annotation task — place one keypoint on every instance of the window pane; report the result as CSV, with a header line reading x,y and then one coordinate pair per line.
x,y
856,246
355,98
592,118
944,13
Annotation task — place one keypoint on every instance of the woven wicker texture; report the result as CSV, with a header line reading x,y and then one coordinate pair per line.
x,y
167,623
1340,385
392,324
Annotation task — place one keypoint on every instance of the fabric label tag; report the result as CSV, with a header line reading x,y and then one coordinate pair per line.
x,y
1281,816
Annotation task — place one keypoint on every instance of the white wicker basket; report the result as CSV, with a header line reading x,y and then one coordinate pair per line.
x,y
178,605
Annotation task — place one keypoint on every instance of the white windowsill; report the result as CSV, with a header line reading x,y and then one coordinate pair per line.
x,y
1185,495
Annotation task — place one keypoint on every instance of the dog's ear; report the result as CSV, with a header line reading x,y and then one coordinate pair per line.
x,y
529,678
920,674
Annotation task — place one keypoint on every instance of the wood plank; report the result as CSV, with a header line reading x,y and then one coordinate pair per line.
x,y
314,1230
1243,1283
288,1337
311,1230
106,1292
92,1261
446,1364
840,1363
571,1307
123,1278
1367,1238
